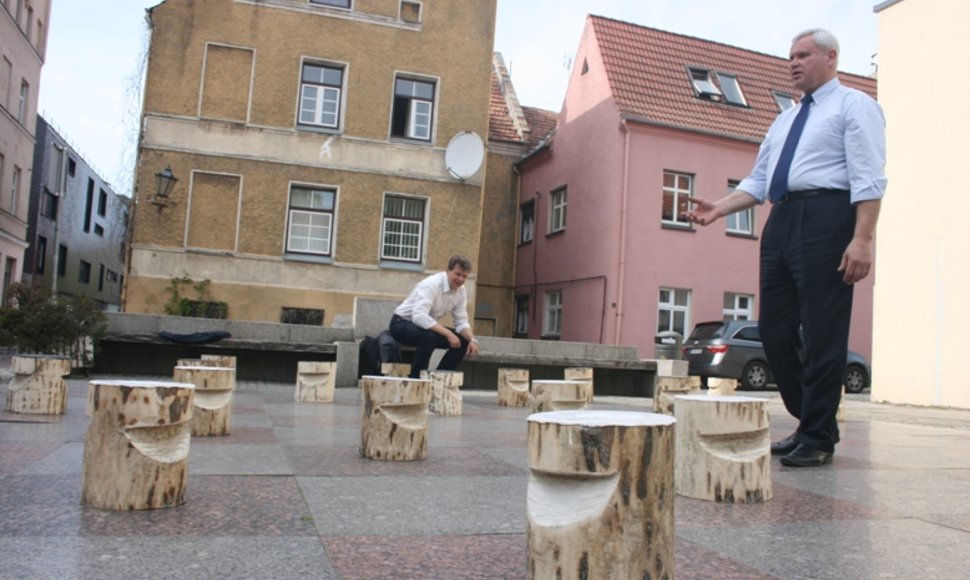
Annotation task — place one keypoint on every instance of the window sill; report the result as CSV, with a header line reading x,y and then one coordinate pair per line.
x,y
410,141
551,336
742,235
525,243
293,257
556,233
319,129
408,266
677,226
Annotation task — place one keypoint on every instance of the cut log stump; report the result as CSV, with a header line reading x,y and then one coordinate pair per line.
x,y
212,403
723,448
445,392
513,387
666,388
315,381
136,450
721,387
400,370
579,374
561,395
394,424
37,386
600,497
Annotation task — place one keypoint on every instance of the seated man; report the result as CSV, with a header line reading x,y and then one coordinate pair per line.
x,y
415,321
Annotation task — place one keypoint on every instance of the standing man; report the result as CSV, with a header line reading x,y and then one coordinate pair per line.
x,y
821,165
415,321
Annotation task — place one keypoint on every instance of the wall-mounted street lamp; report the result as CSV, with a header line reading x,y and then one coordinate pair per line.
x,y
164,182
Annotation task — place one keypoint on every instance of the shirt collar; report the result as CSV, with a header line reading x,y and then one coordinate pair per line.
x,y
446,287
825,90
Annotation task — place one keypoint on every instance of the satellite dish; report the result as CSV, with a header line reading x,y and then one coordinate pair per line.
x,y
464,155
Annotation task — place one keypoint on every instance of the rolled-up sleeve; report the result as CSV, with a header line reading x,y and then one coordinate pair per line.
x,y
865,148
756,184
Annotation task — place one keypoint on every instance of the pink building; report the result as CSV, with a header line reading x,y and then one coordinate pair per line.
x,y
650,118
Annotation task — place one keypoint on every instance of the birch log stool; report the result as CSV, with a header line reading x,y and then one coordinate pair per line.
x,y
445,392
666,388
219,360
723,448
560,395
394,425
136,450
212,404
600,498
579,374
37,386
315,381
721,387
400,370
513,387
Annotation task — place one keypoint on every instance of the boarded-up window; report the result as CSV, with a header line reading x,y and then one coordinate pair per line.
x,y
228,74
213,212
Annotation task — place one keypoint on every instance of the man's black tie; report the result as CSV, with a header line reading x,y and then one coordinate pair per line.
x,y
779,180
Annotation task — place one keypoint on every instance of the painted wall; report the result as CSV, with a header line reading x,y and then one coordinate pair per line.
x,y
921,307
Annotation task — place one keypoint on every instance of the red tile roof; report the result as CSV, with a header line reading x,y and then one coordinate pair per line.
x,y
648,74
541,123
507,120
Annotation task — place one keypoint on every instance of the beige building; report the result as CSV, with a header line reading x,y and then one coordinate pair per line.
x,y
921,310
23,42
309,140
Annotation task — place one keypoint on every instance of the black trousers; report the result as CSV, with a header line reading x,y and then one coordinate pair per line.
x,y
425,342
801,287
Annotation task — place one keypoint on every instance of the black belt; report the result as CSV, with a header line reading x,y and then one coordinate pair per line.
x,y
397,318
808,193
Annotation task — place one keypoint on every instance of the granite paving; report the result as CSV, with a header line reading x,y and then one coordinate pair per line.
x,y
287,495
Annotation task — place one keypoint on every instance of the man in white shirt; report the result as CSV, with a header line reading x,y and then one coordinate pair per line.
x,y
830,152
415,321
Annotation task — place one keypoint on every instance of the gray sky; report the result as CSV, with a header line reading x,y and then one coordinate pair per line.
x,y
95,49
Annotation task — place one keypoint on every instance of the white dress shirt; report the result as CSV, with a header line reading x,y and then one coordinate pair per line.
x,y
431,299
843,146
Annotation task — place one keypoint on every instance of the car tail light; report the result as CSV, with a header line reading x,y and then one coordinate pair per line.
x,y
717,348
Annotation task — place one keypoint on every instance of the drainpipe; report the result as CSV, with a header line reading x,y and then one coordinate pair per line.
x,y
621,235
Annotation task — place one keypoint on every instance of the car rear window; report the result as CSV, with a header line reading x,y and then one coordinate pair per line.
x,y
707,331
748,333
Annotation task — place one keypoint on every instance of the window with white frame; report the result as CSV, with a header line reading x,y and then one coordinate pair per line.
x,y
527,219
410,11
557,211
14,190
731,89
24,99
552,321
783,100
673,310
521,315
310,220
738,306
677,189
703,83
320,90
740,222
403,228
411,116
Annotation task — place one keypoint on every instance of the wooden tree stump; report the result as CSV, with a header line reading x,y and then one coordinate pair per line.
x,y
721,387
445,392
136,450
212,403
315,381
600,498
394,426
37,386
560,395
220,360
723,448
665,388
580,374
400,370
513,387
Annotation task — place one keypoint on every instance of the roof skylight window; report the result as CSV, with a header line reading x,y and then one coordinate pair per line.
x,y
731,88
704,84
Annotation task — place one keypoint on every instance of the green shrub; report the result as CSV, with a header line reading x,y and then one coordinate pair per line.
x,y
34,322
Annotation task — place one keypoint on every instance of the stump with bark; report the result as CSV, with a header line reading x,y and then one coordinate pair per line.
x,y
212,404
600,498
513,387
560,395
580,374
400,370
723,448
37,386
665,388
315,381
394,423
137,445
721,386
445,392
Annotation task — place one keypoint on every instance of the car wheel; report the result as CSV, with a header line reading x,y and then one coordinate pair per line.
x,y
856,379
755,375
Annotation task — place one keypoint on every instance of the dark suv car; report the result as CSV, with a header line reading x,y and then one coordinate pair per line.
x,y
733,350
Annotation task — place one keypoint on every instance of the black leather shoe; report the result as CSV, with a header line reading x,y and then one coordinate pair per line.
x,y
786,445
806,456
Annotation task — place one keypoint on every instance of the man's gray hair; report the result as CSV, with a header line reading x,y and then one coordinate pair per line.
x,y
461,261
822,39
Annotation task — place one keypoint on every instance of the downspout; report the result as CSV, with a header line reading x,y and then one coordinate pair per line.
x,y
621,235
